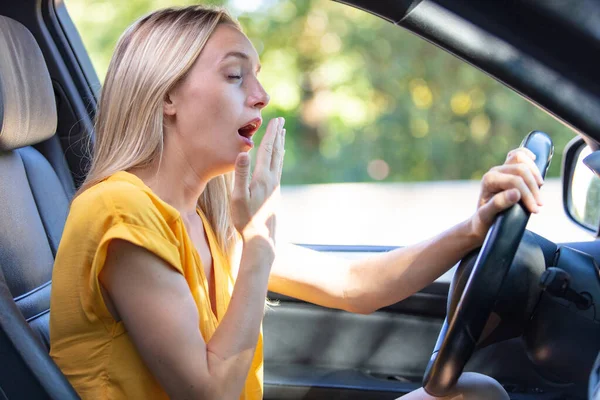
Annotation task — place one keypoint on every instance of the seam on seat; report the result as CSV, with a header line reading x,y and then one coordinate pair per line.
x,y
37,315
58,163
35,200
37,289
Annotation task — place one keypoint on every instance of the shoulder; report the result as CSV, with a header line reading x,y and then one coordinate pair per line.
x,y
128,211
125,201
118,195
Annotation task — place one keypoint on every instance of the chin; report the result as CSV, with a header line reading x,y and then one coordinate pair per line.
x,y
225,163
226,167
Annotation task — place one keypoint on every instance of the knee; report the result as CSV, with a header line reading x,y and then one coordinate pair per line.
x,y
470,386
474,386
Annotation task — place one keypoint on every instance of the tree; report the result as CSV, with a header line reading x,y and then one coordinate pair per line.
x,y
363,99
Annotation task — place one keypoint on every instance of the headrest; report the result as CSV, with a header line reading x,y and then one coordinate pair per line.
x,y
27,103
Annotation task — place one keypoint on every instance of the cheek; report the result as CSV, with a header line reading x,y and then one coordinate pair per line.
x,y
224,112
217,104
200,112
212,118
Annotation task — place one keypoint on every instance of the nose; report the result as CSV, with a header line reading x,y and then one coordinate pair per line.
x,y
259,98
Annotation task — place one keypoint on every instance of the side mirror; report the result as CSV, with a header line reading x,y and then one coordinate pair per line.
x,y
581,185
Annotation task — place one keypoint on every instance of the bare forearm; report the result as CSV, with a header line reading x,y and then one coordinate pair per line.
x,y
391,277
309,275
231,349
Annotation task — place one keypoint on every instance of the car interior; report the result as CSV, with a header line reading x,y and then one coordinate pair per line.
x,y
546,343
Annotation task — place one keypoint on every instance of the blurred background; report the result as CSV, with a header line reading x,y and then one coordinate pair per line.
x,y
387,135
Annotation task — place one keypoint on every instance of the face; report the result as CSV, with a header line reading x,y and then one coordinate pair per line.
x,y
213,112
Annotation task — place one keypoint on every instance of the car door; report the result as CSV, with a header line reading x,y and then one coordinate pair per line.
x,y
389,136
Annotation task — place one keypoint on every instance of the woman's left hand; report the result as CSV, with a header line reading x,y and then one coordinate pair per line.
x,y
502,186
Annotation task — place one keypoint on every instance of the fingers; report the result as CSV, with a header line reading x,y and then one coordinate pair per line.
x,y
241,190
500,179
283,146
254,200
278,153
524,172
264,157
500,202
517,179
525,156
277,156
525,150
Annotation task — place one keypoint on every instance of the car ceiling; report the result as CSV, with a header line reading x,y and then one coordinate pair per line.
x,y
548,51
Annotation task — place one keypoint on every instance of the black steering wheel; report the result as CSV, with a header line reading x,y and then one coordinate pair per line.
x,y
459,336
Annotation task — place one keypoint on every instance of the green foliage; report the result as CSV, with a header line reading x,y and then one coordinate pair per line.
x,y
364,100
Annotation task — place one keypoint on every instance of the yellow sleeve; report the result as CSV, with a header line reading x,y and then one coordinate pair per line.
x,y
126,212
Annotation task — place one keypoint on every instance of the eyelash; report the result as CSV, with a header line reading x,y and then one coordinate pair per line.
x,y
235,77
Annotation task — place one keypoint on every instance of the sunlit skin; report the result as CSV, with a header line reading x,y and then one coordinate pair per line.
x,y
203,114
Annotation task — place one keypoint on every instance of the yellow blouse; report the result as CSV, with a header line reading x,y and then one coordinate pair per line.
x,y
90,347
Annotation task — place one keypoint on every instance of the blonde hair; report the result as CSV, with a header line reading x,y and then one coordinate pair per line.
x,y
151,57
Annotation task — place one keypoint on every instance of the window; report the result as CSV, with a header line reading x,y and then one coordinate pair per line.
x,y
388,135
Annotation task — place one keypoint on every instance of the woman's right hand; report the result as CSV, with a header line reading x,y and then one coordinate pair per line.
x,y
254,201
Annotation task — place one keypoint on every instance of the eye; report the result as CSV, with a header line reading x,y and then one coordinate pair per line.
x,y
236,77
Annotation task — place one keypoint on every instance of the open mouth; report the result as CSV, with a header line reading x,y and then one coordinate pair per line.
x,y
249,129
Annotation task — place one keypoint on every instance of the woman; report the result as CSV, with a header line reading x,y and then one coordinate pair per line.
x,y
148,298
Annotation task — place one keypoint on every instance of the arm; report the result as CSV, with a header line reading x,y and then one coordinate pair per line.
x,y
309,275
168,337
364,286
160,315
388,278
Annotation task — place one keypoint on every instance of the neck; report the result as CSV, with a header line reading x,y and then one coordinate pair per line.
x,y
175,180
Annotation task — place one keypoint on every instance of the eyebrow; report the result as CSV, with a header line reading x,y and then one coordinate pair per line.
x,y
242,55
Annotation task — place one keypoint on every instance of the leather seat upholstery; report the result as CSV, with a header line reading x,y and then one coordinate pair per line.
x,y
34,204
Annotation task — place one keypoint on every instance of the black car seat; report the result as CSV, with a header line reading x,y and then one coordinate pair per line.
x,y
594,382
35,190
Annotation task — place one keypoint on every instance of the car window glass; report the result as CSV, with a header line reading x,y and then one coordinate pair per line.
x,y
388,135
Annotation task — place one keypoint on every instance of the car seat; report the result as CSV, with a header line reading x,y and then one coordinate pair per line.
x,y
34,201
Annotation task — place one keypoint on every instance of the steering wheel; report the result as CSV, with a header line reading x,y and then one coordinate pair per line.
x,y
459,336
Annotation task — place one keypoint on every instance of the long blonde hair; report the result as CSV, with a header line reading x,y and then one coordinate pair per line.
x,y
151,57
